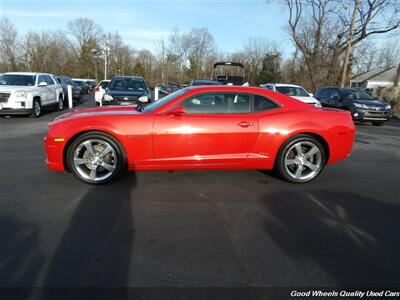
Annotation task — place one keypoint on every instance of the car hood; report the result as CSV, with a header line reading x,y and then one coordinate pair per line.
x,y
306,99
126,93
12,88
100,111
371,102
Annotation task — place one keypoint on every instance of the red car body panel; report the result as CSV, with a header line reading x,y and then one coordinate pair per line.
x,y
158,141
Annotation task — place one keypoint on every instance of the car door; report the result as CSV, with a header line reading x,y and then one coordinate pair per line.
x,y
44,91
216,129
52,88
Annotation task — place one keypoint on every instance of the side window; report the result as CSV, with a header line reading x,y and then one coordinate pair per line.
x,y
41,79
324,95
48,79
206,104
261,103
334,94
217,103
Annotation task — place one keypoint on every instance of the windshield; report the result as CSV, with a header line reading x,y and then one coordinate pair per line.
x,y
164,100
13,79
127,84
356,95
292,91
104,84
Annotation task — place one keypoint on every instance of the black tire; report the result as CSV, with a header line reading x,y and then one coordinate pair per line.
x,y
36,108
378,123
80,171
288,149
60,103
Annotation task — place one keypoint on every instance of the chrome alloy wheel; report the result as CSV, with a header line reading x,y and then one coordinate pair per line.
x,y
95,159
303,160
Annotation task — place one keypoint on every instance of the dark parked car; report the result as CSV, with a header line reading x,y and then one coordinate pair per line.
x,y
76,90
362,106
196,82
166,89
126,90
92,84
83,85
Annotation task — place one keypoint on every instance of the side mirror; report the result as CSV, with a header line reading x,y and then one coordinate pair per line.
x,y
144,99
311,94
43,83
177,110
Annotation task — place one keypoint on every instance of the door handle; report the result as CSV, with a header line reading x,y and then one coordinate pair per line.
x,y
245,124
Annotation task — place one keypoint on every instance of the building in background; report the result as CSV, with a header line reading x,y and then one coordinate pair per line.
x,y
379,77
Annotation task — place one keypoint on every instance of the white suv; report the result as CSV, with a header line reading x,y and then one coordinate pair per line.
x,y
100,90
294,91
27,93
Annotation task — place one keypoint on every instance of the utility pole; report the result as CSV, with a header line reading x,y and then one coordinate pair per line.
x,y
348,50
94,59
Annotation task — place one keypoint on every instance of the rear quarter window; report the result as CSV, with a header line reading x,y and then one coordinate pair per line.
x,y
262,104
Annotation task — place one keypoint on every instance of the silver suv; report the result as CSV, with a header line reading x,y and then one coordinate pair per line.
x,y
26,93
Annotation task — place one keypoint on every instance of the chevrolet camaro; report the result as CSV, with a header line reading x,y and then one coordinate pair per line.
x,y
208,127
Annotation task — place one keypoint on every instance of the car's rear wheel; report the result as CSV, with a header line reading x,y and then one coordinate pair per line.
x,y
301,159
95,158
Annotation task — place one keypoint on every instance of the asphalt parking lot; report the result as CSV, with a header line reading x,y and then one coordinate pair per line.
x,y
199,228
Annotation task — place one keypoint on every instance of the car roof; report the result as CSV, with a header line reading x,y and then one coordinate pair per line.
x,y
227,88
285,84
26,73
204,80
133,77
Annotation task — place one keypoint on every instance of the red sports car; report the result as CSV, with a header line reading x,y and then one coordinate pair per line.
x,y
209,127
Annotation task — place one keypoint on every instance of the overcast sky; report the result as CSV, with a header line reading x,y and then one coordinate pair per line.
x,y
141,23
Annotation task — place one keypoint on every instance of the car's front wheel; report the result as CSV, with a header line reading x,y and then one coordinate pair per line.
x,y
95,158
60,104
301,159
36,108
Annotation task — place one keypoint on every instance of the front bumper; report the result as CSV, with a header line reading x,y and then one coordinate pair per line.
x,y
15,111
117,102
371,115
54,154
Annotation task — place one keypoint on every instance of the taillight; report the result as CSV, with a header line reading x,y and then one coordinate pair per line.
x,y
97,89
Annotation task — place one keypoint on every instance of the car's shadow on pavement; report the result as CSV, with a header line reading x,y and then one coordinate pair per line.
x,y
353,238
95,249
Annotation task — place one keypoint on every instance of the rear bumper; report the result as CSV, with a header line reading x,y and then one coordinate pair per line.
x,y
54,154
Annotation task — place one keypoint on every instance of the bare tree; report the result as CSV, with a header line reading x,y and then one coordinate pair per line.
x,y
320,29
8,44
83,30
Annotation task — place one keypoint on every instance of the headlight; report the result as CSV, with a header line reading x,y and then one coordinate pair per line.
x,y
144,99
388,106
20,94
360,105
107,97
